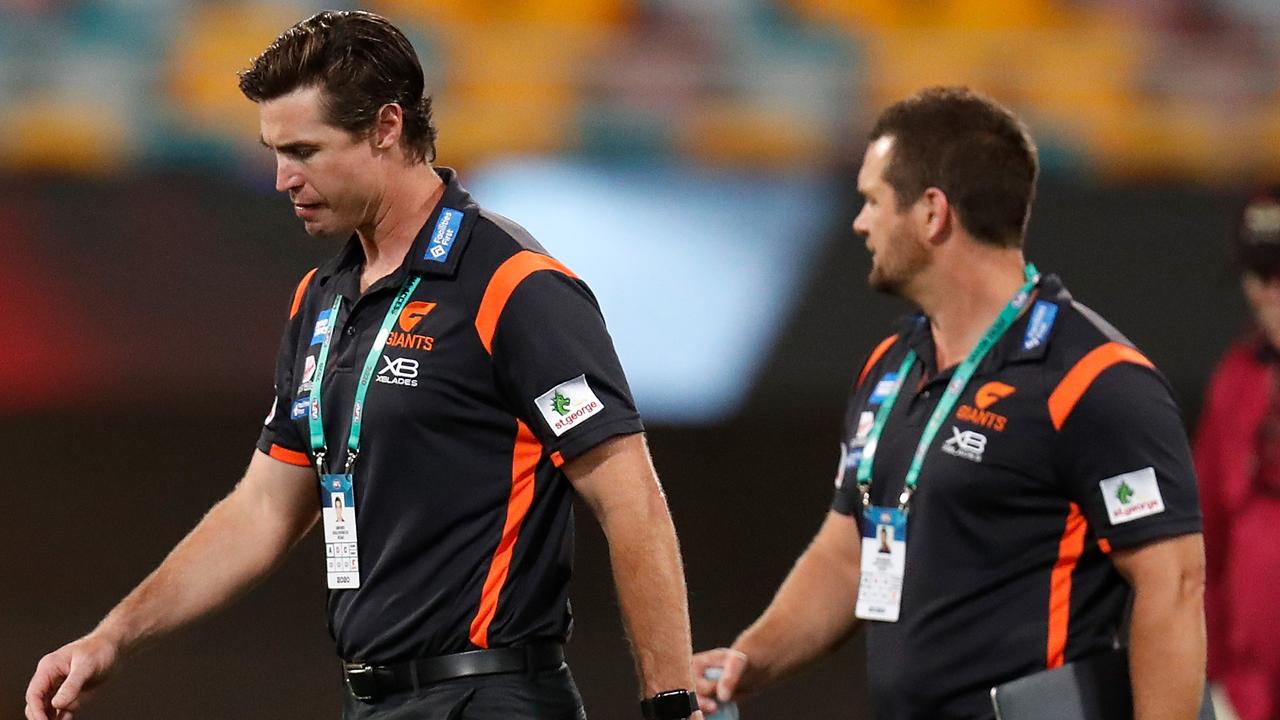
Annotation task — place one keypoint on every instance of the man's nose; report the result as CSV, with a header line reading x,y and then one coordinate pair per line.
x,y
287,176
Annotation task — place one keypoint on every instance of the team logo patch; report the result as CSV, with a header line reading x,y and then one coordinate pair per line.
x,y
398,371
322,327
446,231
413,314
1132,495
568,405
884,388
299,408
987,395
1041,322
966,444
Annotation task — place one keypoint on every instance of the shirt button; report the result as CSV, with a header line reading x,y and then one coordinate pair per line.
x,y
351,331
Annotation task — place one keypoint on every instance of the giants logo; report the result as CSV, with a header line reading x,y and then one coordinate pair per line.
x,y
987,396
410,318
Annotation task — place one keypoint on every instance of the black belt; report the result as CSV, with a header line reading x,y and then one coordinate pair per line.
x,y
370,682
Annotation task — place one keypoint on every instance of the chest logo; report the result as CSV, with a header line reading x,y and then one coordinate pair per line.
x,y
987,395
398,371
967,444
410,318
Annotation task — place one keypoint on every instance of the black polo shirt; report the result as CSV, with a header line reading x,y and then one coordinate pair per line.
x,y
498,371
1066,443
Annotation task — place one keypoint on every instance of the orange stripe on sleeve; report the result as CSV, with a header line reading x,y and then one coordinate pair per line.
x,y
524,461
505,280
875,357
302,290
293,457
1070,547
1063,399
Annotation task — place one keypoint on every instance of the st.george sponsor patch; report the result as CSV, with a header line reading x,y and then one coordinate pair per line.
x,y
1132,495
568,405
443,235
1039,324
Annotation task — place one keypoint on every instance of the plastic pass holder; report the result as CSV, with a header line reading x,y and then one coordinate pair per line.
x,y
341,547
884,561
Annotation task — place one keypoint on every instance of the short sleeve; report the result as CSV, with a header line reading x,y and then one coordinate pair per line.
x,y
556,364
1123,456
280,437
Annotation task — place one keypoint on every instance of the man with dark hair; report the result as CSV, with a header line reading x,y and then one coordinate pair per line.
x,y
448,387
1030,462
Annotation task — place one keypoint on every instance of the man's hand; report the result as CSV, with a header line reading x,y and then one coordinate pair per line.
x,y
67,676
733,665
243,538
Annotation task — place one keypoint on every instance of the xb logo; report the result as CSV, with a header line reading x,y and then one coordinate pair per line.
x,y
400,367
399,371
413,314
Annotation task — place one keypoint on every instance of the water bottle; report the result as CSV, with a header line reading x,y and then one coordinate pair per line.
x,y
725,710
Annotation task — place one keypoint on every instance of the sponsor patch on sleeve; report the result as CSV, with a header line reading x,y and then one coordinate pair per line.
x,y
321,329
568,405
1132,495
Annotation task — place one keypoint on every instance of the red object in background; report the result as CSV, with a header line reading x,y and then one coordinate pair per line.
x,y
1237,454
50,348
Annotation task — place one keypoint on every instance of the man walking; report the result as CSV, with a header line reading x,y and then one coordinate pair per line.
x,y
1026,464
444,387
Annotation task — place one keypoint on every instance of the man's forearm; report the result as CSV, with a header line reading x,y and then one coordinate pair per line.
x,y
235,545
649,576
1167,653
812,613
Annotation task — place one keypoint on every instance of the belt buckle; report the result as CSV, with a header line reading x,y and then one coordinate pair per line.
x,y
361,681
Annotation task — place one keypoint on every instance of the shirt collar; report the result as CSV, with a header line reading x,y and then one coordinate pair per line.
x,y
1027,340
437,249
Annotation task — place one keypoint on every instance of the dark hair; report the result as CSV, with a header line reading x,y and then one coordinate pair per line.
x,y
1256,246
361,61
972,149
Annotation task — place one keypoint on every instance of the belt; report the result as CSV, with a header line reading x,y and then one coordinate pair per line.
x,y
370,682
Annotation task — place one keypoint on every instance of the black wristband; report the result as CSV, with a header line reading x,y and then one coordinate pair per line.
x,y
669,705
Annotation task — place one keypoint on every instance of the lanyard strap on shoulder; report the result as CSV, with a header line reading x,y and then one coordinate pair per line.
x,y
315,422
955,388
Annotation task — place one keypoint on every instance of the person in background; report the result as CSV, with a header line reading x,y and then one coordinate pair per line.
x,y
1237,458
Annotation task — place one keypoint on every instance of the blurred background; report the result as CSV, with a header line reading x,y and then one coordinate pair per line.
x,y
693,160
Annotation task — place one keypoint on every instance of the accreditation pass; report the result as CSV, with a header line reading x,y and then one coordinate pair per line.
x,y
341,552
884,559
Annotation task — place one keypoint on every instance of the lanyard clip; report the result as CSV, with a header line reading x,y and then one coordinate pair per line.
x,y
905,498
351,460
320,462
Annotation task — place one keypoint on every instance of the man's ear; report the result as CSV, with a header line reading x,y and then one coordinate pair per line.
x,y
387,126
935,210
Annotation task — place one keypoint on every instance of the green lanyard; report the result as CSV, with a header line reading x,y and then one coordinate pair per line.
x,y
318,445
955,388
